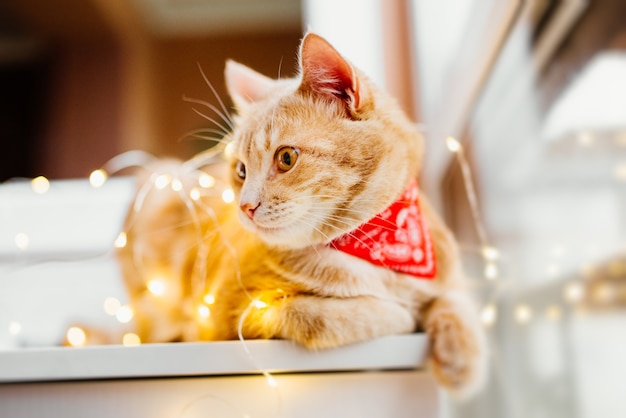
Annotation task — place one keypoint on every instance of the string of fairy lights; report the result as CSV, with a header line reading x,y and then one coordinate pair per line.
x,y
76,336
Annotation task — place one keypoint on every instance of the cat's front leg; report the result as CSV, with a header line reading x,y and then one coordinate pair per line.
x,y
325,322
458,344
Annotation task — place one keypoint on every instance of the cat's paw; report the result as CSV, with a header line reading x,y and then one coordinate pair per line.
x,y
457,353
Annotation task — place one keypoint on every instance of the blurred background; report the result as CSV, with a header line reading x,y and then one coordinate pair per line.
x,y
534,91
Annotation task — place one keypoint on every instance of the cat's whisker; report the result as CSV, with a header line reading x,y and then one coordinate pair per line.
x,y
206,131
350,234
280,66
319,256
215,139
318,231
381,222
218,112
217,96
210,119
365,216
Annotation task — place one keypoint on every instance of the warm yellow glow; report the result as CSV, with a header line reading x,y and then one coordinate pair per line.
x,y
554,312
491,271
162,181
130,339
206,181
76,337
22,241
111,306
488,315
204,311
574,292
585,139
120,241
228,196
15,328
229,150
156,287
619,172
40,185
523,314
259,304
177,185
587,270
452,144
490,253
271,381
97,178
194,194
209,299
124,314
603,293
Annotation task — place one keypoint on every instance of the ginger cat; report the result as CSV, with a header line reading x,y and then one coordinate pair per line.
x,y
314,158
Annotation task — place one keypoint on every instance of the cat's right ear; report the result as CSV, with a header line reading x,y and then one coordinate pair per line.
x,y
245,85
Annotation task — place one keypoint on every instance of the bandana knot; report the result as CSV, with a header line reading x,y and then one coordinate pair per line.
x,y
397,238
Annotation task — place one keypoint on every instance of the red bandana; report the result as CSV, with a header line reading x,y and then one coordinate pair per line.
x,y
397,238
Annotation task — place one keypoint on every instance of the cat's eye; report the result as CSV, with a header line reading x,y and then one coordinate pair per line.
x,y
286,158
240,170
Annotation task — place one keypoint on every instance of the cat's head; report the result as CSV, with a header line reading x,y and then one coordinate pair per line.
x,y
317,155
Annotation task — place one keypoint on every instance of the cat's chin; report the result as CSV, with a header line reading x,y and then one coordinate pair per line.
x,y
281,236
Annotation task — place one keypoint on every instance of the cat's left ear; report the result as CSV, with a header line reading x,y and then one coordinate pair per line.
x,y
245,85
325,72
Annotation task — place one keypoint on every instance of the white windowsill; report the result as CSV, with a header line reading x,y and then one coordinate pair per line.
x,y
206,359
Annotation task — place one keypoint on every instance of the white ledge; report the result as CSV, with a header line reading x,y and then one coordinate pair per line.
x,y
206,359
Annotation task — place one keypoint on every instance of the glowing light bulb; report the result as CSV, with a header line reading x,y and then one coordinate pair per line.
x,y
15,328
229,150
121,240
490,253
523,314
162,181
228,196
76,336
259,304
209,299
204,311
156,287
452,144
488,315
491,271
131,339
22,241
270,380
40,185
177,185
97,178
111,306
124,314
574,292
194,194
206,181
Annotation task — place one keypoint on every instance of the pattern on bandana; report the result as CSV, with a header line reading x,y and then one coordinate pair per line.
x,y
397,238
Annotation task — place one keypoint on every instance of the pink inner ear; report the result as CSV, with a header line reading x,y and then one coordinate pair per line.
x,y
325,71
245,85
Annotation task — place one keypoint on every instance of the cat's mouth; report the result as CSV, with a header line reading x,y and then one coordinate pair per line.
x,y
285,233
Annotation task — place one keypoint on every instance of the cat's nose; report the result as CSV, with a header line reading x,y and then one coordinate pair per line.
x,y
249,209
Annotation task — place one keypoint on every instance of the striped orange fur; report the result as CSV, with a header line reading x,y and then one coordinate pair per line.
x,y
314,157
